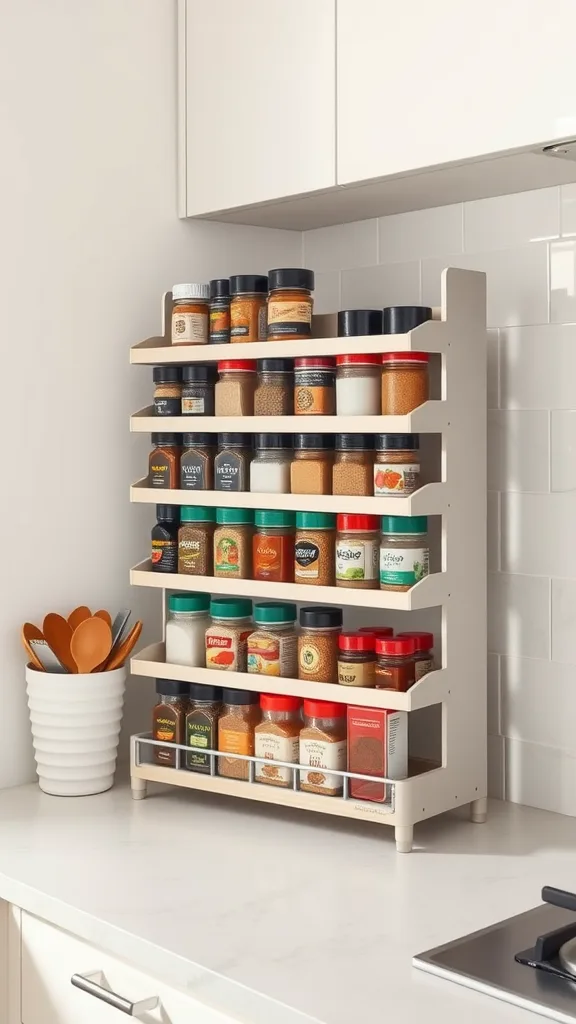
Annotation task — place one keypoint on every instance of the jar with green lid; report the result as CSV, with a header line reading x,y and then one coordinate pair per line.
x,y
233,543
228,632
272,647
314,548
195,540
273,546
404,551
202,727
186,624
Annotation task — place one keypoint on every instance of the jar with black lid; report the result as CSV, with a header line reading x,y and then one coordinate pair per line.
x,y
311,469
197,462
197,390
167,390
249,293
356,323
164,461
219,327
290,304
354,464
397,465
232,463
164,556
274,395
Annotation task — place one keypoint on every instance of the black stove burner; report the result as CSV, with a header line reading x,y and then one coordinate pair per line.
x,y
543,956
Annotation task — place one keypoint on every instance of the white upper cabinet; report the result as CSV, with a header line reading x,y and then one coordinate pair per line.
x,y
424,83
259,118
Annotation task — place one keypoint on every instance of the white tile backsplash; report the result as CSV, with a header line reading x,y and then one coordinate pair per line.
x,y
538,534
413,236
563,620
563,450
568,210
519,615
538,702
326,291
563,281
508,221
538,367
386,285
341,246
518,450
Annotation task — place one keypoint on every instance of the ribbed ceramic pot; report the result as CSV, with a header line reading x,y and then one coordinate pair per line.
x,y
75,729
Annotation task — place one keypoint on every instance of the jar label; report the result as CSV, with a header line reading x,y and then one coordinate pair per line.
x,y
403,566
234,742
273,558
269,655
421,668
189,328
193,406
352,673
228,473
227,651
193,472
219,323
314,392
357,560
199,736
392,478
394,677
287,317
320,754
306,560
275,748
192,555
227,556
309,659
166,406
248,319
164,555
159,471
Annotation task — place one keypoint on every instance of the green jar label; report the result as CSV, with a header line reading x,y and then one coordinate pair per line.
x,y
403,566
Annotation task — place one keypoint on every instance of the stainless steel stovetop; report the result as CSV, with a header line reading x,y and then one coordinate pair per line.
x,y
527,960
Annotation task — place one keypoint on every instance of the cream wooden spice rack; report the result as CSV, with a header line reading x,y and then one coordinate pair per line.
x,y
458,588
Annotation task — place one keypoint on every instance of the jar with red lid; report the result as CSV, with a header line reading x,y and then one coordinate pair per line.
x,y
377,631
395,663
314,390
357,551
423,657
235,387
358,385
323,746
404,382
276,738
356,659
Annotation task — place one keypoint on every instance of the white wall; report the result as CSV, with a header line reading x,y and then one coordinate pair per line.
x,y
89,239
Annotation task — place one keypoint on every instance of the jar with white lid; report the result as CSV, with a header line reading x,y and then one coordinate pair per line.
x,y
358,385
190,314
186,625
270,469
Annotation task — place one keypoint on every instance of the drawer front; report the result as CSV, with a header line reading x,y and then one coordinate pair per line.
x,y
49,959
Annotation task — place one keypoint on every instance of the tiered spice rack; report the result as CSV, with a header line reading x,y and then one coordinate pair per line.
x,y
459,589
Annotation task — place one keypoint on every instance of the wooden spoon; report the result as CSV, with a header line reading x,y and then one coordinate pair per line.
x,y
104,615
91,643
78,615
31,632
124,649
58,634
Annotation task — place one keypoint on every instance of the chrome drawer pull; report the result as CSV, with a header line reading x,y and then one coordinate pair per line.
x,y
92,984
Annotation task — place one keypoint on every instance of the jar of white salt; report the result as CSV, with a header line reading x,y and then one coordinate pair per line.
x,y
186,625
358,385
270,470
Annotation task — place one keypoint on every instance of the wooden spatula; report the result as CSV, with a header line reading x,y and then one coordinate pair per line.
x,y
91,643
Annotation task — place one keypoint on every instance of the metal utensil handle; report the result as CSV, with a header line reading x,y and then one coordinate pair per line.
x,y
87,983
559,898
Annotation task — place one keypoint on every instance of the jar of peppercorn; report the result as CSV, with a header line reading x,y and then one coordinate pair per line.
x,y
353,471
395,663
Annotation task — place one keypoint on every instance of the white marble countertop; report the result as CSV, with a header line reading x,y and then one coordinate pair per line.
x,y
240,903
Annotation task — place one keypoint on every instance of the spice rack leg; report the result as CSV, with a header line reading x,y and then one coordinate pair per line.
x,y
404,834
139,788
479,810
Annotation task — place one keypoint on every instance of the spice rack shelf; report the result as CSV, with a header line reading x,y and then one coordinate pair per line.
x,y
458,337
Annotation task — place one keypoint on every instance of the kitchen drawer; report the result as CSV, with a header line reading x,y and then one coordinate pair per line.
x,y
49,959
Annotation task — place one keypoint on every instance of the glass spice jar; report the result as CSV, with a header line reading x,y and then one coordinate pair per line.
x,y
270,468
239,717
314,548
404,552
423,657
290,304
219,331
186,625
167,390
234,391
276,738
357,542
195,540
272,647
249,293
164,461
323,746
190,314
164,555
358,385
311,470
232,463
273,546
197,462
397,465
394,663
168,720
197,390
318,643
228,632
274,395
233,543
353,471
314,386
404,382
356,659
201,726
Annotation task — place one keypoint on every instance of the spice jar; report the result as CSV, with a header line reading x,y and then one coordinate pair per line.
x,y
219,332
186,627
167,390
404,551
168,719
314,391
234,391
357,323
164,555
404,382
270,469
397,465
290,304
164,461
238,720
357,544
232,463
273,546
197,390
228,632
311,470
197,462
276,738
358,385
377,631
314,548
318,644
274,395
233,543
248,307
190,314
272,647
195,540
353,471
201,726
356,659
423,657
323,746
394,663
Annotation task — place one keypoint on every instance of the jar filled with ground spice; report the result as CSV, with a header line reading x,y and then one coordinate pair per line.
x,y
197,462
311,469
318,643
353,471
276,738
234,391
233,543
356,323
394,663
249,293
167,390
323,746
356,659
274,395
190,314
270,469
314,548
357,543
164,556
314,386
164,461
201,726
195,540
358,385
239,717
169,719
397,465
197,390
219,332
404,382
423,657
272,647
228,632
290,304
186,625
404,552
273,546
232,463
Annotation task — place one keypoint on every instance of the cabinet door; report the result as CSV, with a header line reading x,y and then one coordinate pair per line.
x,y
421,83
260,85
